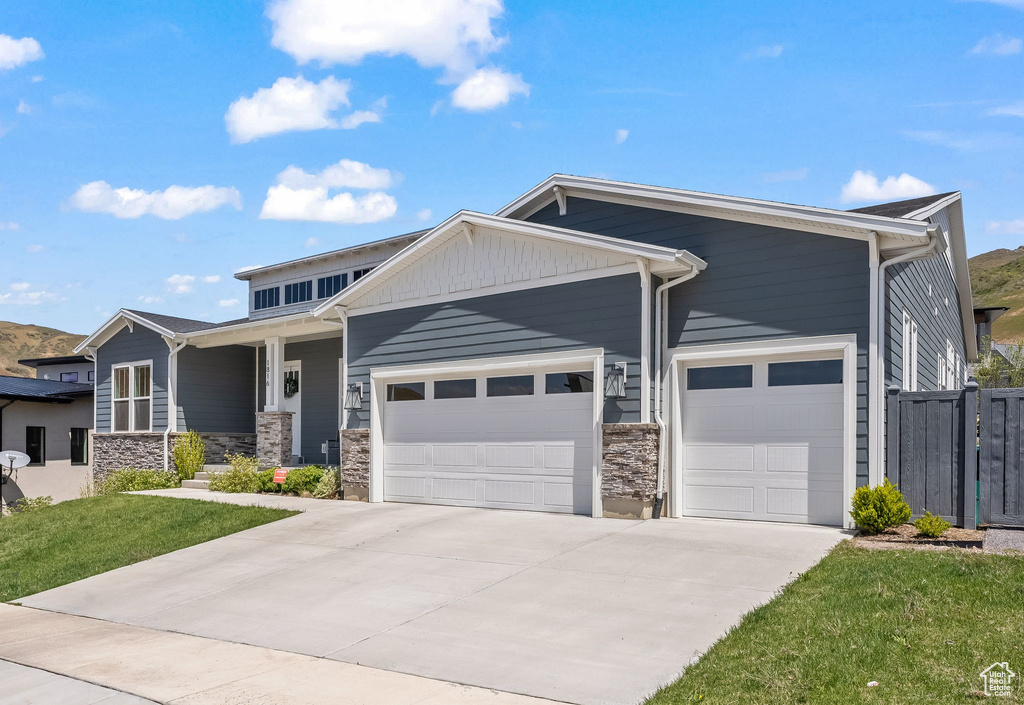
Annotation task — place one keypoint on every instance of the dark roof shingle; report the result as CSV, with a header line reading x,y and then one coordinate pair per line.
x,y
41,389
898,209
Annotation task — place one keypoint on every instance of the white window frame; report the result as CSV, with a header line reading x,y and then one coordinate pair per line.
x,y
940,374
909,343
950,365
131,398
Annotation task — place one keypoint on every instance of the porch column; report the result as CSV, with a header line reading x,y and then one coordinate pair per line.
x,y
274,374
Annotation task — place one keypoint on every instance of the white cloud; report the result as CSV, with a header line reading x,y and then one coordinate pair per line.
x,y
151,299
962,142
488,88
621,136
290,104
211,279
15,52
9,225
777,177
29,298
1012,110
771,51
37,79
345,174
300,195
227,303
354,120
35,248
24,108
1005,227
453,34
181,283
20,286
248,268
424,214
997,45
864,186
173,203
311,242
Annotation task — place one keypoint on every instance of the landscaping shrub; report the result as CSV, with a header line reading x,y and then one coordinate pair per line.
x,y
243,475
27,505
875,509
931,526
267,483
189,455
138,479
329,486
301,480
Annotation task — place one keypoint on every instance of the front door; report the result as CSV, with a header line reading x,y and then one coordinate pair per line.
x,y
292,397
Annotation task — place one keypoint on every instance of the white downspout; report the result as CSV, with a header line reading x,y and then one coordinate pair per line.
x,y
645,341
661,318
172,400
343,315
881,319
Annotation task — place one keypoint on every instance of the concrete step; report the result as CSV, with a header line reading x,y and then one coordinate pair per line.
x,y
202,475
196,484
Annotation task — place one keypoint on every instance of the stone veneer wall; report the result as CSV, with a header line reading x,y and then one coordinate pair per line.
x,y
112,451
274,438
629,469
355,464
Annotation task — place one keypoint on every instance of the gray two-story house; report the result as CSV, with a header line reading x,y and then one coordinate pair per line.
x,y
596,347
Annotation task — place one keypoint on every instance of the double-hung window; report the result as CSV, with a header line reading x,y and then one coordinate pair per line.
x,y
941,372
909,353
950,365
132,395
329,286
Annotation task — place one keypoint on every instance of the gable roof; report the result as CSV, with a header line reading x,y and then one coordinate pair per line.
x,y
662,259
168,326
903,209
45,390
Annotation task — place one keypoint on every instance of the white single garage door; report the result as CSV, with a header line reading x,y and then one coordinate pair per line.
x,y
509,440
763,439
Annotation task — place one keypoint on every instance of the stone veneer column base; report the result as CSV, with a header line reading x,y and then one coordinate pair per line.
x,y
274,438
629,469
355,464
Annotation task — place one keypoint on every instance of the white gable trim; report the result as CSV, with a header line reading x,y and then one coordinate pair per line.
x,y
115,323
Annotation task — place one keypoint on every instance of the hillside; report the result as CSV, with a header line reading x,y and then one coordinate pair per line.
x,y
997,278
18,342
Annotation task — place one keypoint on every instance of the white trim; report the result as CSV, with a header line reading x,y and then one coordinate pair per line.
x,y
379,377
876,337
645,341
933,208
844,344
115,323
130,366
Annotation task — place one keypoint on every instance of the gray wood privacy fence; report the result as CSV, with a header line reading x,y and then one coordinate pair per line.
x,y
931,451
1001,457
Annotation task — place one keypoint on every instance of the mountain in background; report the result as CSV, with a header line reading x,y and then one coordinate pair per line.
x,y
19,342
997,278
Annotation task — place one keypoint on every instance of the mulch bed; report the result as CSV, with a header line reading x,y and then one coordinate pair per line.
x,y
906,536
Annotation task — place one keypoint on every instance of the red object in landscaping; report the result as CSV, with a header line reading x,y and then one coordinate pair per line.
x,y
280,474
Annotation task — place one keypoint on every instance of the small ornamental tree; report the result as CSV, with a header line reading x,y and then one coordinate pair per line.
x,y
876,509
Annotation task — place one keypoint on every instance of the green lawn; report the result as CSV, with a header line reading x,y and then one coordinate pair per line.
x,y
923,624
83,537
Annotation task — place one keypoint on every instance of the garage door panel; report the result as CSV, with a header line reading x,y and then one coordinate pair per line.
x,y
454,455
710,458
734,499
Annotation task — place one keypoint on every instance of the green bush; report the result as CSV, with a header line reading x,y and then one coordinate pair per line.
x,y
243,475
137,479
189,455
26,505
931,526
267,483
875,509
303,480
329,486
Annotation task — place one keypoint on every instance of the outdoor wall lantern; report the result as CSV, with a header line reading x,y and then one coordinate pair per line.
x,y
354,396
615,382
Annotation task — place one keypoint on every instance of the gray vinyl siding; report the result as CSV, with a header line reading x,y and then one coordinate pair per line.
x,y
597,313
320,383
761,282
907,289
126,346
217,389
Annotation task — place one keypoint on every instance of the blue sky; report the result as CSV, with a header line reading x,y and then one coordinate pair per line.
x,y
398,114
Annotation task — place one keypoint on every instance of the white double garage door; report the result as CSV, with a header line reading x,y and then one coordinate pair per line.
x,y
512,440
763,439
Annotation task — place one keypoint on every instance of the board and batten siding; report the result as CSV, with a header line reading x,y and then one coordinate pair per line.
x,y
761,282
596,313
216,389
128,346
937,315
321,387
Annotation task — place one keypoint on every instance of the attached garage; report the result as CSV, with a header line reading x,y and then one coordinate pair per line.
x,y
765,438
503,438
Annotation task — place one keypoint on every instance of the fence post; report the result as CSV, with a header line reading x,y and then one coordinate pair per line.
x,y
892,435
969,490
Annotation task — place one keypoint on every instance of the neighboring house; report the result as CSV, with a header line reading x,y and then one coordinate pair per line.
x,y
51,421
984,317
541,357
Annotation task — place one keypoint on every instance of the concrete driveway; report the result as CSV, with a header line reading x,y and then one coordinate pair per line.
x,y
569,608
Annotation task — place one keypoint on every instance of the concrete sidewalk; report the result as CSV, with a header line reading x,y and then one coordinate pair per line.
x,y
188,670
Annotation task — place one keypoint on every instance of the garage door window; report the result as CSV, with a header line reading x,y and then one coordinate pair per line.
x,y
726,377
568,382
455,389
409,391
788,374
516,386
